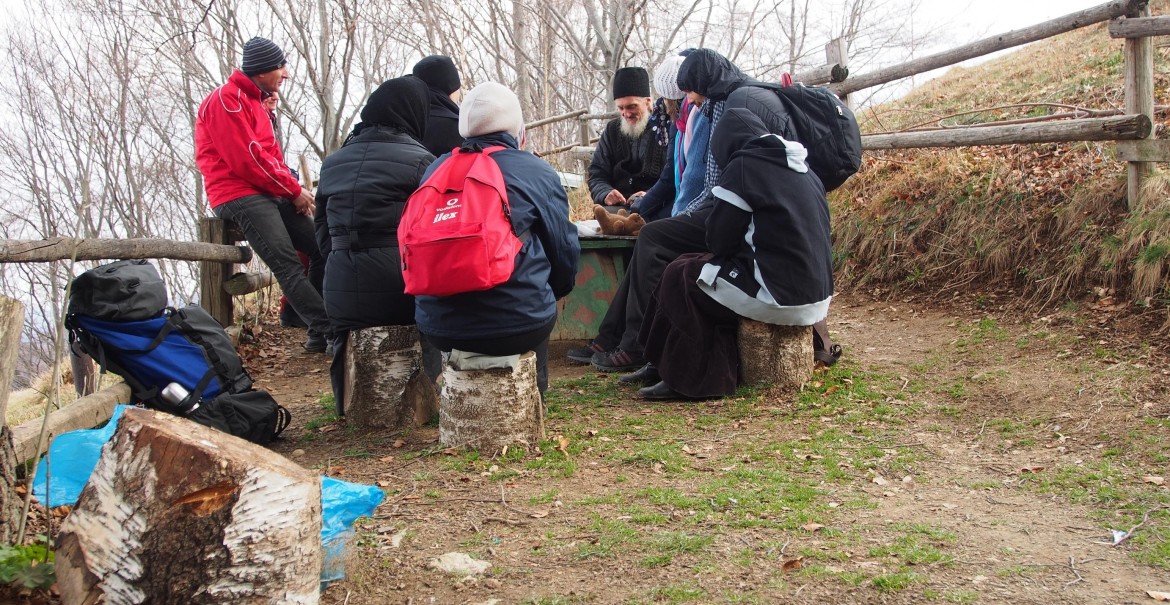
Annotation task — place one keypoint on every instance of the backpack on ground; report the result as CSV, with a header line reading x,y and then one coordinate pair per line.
x,y
825,126
183,346
456,233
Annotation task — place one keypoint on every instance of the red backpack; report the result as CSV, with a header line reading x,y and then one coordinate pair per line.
x,y
456,234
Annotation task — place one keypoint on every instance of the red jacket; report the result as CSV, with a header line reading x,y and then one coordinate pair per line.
x,y
235,147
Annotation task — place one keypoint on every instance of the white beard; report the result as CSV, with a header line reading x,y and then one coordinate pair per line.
x,y
634,131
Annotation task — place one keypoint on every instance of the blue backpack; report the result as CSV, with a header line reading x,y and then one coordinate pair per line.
x,y
164,345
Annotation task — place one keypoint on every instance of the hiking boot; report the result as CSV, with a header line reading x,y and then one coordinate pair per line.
x,y
617,360
584,355
648,374
317,343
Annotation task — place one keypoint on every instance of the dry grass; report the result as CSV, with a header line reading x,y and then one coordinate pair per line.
x,y
1047,221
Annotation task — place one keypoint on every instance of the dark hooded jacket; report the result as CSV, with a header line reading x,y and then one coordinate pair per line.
x,y
363,190
546,266
443,124
769,228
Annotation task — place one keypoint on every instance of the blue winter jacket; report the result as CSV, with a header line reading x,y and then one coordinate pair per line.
x,y
546,267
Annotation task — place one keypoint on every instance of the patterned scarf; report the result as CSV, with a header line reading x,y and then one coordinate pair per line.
x,y
711,177
660,122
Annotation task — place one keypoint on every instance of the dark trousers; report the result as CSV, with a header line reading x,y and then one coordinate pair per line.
x,y
658,244
518,344
276,232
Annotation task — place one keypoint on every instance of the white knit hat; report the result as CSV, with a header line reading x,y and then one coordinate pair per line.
x,y
666,78
490,107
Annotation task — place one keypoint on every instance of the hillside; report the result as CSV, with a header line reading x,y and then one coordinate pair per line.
x,y
1048,222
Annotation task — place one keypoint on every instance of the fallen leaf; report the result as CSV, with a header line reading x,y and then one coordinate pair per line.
x,y
792,565
398,443
384,483
830,391
880,480
687,450
591,433
538,514
386,459
1154,480
811,526
1158,596
1032,468
657,468
563,445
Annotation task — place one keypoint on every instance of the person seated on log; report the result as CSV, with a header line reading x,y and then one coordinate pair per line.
x,y
518,315
630,155
445,90
362,192
784,277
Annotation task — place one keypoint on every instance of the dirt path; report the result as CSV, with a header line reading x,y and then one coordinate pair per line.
x,y
951,457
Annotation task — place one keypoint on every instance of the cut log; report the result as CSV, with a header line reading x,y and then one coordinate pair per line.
x,y
11,325
385,386
778,355
175,512
486,410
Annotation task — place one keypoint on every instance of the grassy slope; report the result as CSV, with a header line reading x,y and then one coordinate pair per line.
x,y
1048,221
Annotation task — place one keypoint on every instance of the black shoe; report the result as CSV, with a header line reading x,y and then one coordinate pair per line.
x,y
617,360
583,355
316,343
660,392
647,375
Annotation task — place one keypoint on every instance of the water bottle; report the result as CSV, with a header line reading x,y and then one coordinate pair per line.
x,y
174,394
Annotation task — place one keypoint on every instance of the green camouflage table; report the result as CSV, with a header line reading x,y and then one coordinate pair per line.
x,y
599,272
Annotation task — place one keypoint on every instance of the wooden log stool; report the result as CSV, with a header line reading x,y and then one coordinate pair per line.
x,y
385,386
489,409
176,512
778,355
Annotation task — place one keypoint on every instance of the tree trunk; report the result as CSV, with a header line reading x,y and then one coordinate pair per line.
x,y
778,355
486,410
11,324
385,386
176,512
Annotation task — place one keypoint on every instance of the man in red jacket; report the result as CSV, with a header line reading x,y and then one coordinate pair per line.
x,y
248,182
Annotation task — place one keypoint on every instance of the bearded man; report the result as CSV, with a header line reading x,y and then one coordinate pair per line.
x,y
630,156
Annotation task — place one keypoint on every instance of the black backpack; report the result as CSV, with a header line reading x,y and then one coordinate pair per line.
x,y
826,127
117,315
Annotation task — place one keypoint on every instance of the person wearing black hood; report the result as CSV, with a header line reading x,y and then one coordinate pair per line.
x,y
770,260
712,79
362,193
444,90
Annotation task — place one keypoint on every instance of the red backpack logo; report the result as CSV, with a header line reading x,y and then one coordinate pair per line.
x,y
456,234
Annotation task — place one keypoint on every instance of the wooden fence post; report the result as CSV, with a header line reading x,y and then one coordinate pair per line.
x,y
11,324
1139,99
837,53
212,297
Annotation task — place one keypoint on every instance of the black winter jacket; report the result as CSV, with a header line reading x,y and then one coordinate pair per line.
x,y
546,267
363,190
627,165
442,133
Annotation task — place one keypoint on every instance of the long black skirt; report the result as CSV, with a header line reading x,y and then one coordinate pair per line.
x,y
689,336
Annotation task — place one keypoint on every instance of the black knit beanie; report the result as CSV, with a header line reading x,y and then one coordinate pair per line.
x,y
261,55
438,71
631,82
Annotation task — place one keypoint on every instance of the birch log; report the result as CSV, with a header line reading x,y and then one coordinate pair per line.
x,y
176,512
11,325
778,355
487,410
385,386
